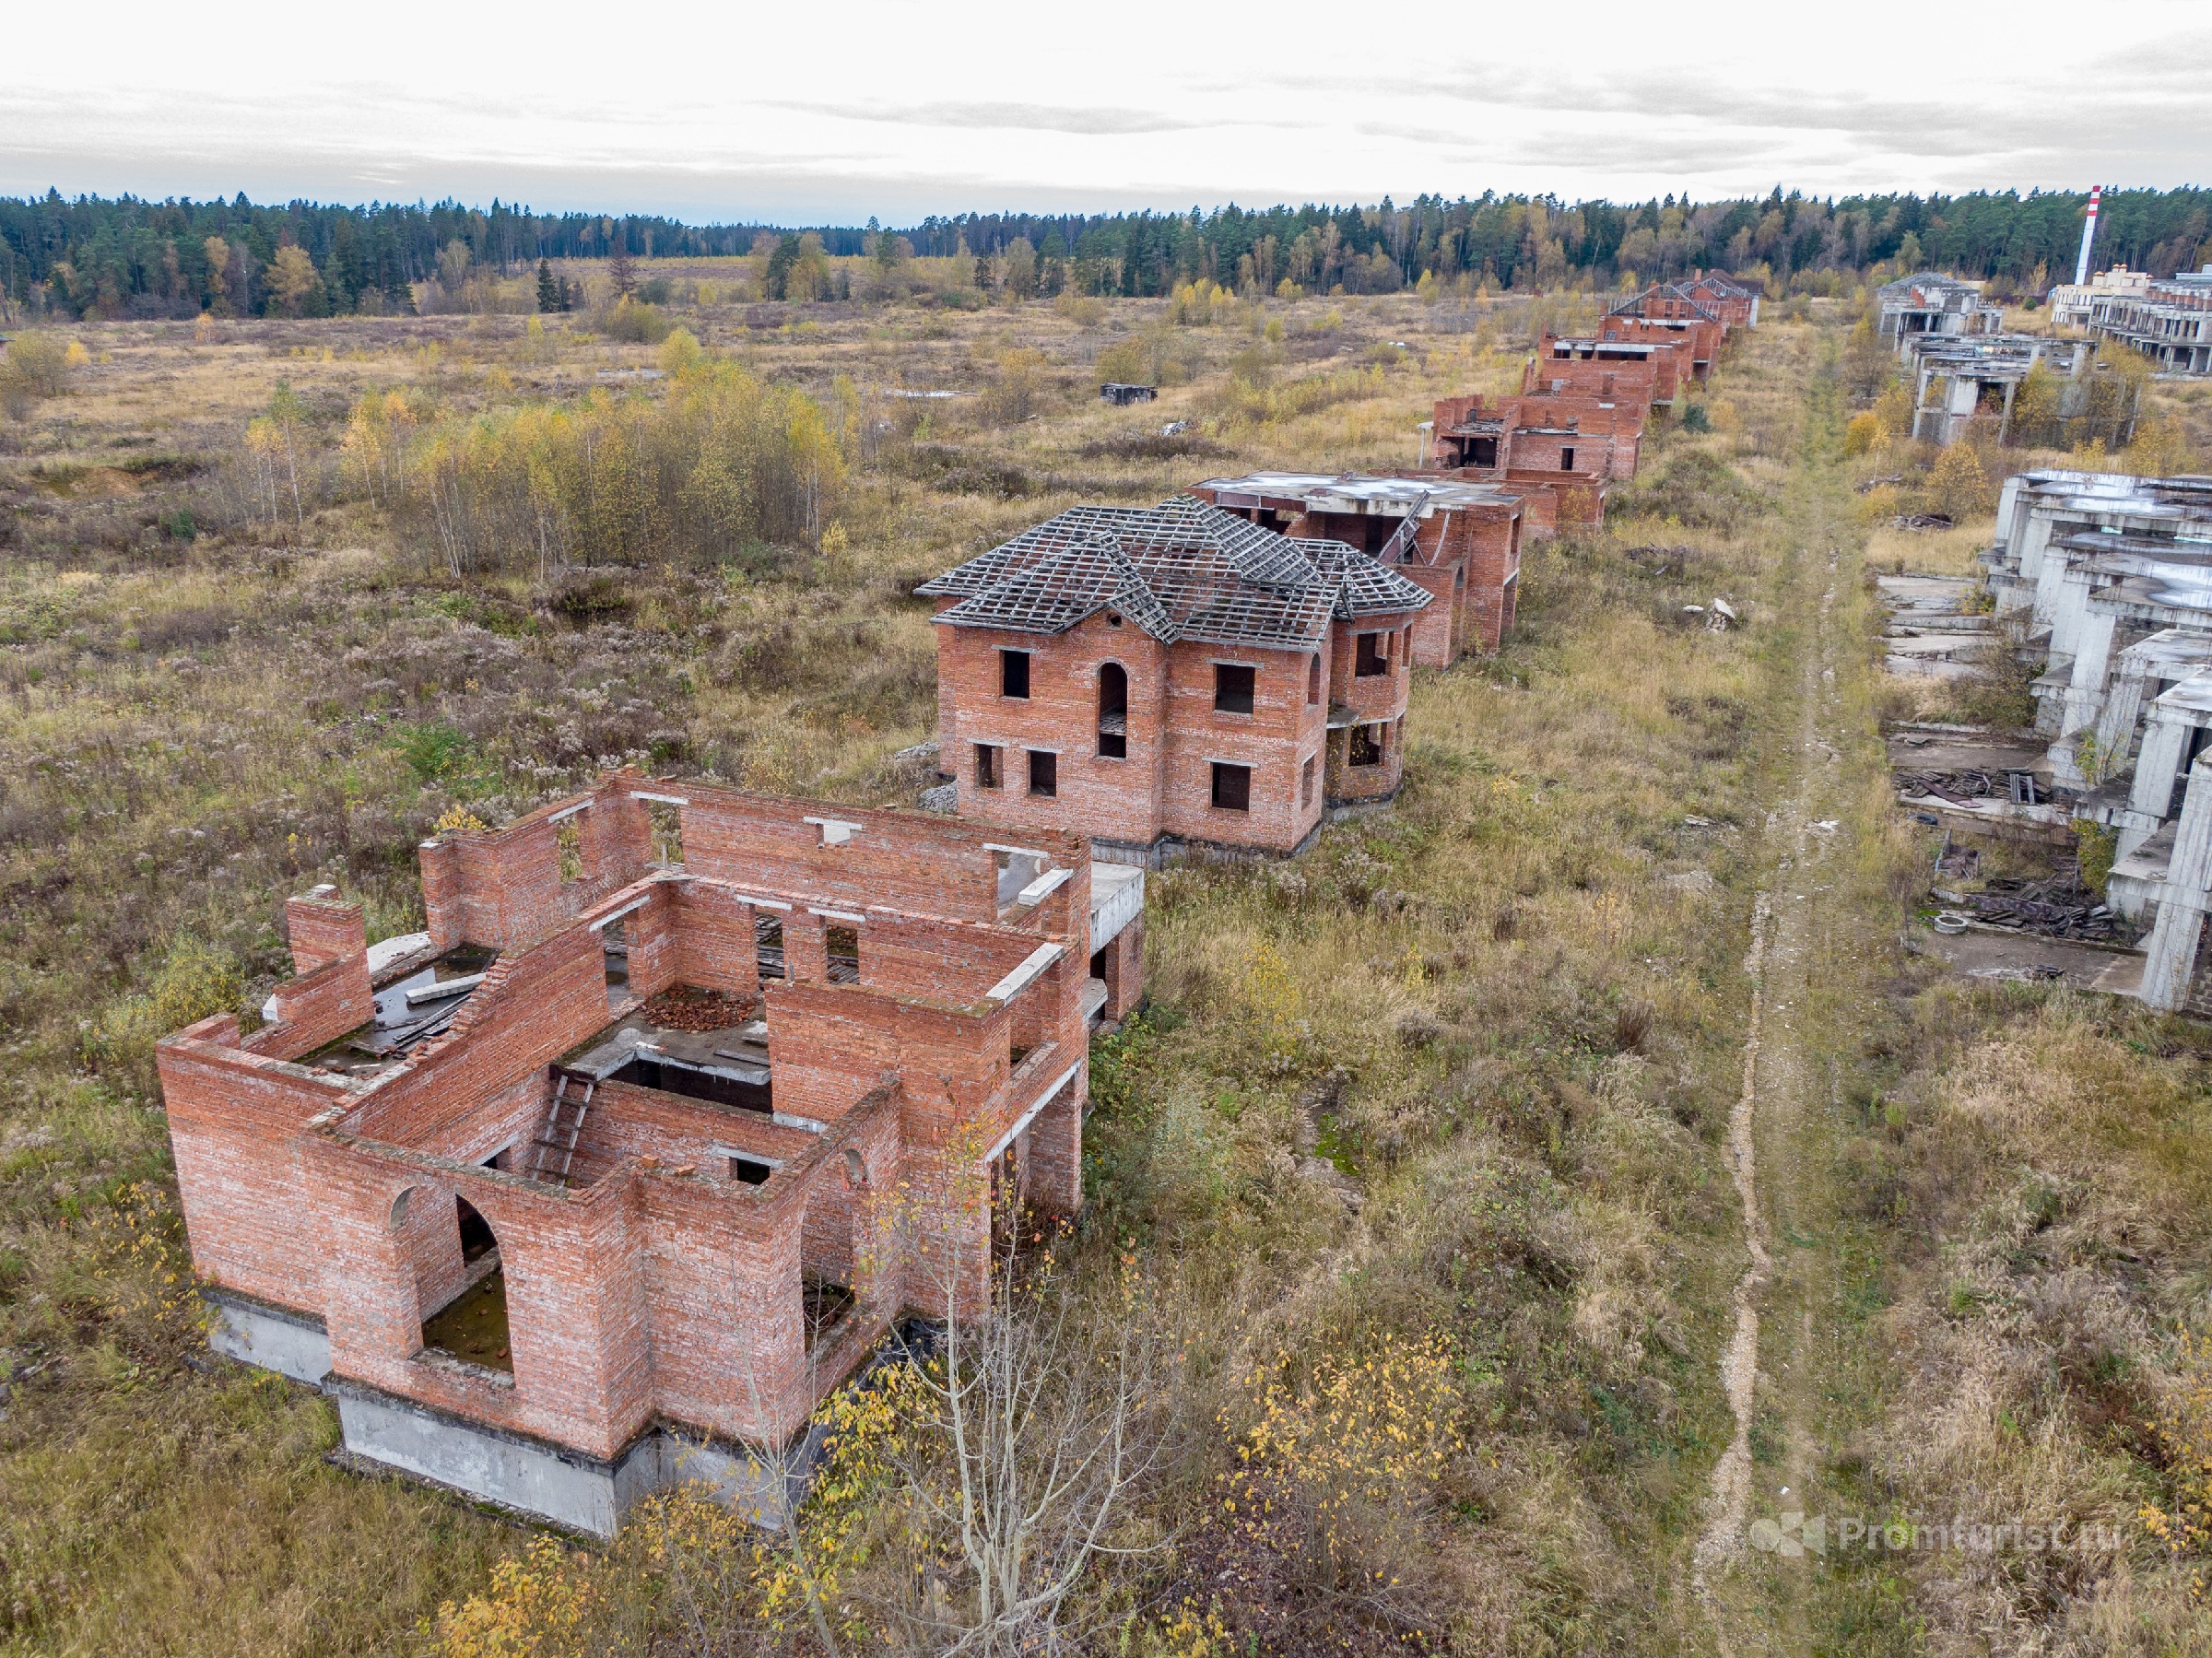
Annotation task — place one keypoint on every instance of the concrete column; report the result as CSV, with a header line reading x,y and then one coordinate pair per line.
x,y
2085,694
2188,893
2116,720
2165,740
2005,423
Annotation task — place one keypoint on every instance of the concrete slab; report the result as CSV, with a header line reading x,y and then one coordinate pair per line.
x,y
1912,751
1998,953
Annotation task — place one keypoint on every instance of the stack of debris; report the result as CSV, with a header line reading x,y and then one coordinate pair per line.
x,y
2058,906
1936,629
1957,788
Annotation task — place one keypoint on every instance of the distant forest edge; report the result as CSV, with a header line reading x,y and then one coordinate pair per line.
x,y
127,257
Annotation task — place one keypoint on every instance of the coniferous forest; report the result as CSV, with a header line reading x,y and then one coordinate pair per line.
x,y
96,257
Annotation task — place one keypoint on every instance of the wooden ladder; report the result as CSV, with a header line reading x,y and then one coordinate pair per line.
x,y
551,1140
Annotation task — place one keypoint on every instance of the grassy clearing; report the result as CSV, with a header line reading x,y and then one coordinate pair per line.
x,y
1457,1077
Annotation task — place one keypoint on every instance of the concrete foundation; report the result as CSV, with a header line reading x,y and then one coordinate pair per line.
x,y
551,1482
530,1477
254,1333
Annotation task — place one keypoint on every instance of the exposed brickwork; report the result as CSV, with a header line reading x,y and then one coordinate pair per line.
x,y
656,1283
321,930
1464,548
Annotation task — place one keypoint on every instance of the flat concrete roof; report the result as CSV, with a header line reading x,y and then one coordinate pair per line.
x,y
1362,492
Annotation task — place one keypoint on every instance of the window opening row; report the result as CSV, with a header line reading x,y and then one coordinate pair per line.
x,y
841,950
1235,691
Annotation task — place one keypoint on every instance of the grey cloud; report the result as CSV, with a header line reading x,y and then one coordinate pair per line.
x,y
1095,122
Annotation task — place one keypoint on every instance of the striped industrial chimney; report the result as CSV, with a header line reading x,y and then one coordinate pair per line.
x,y
2089,235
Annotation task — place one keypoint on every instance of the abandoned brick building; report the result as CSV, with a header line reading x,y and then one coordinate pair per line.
x,y
1457,540
1650,371
685,1095
1671,310
1167,676
1557,452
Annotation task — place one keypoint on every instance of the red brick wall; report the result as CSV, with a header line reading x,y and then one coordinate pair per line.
x,y
1165,785
530,1009
232,1117
323,930
504,888
649,1291
317,1008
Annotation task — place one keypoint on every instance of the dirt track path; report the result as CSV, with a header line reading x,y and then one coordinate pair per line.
x,y
1751,1576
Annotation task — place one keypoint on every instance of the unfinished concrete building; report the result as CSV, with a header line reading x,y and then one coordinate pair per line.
x,y
1458,541
2168,319
2111,580
1173,676
1930,302
1958,379
2090,562
2074,304
683,1098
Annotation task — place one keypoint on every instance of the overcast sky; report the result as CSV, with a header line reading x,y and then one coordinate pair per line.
x,y
828,113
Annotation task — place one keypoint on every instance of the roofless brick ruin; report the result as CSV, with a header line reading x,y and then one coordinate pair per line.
x,y
598,1170
686,1096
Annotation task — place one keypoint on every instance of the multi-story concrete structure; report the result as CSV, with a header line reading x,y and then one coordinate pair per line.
x,y
1170,676
643,1145
1930,302
2073,304
1966,374
2168,319
2110,578
1458,541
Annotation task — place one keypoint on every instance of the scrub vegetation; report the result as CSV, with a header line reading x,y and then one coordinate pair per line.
x,y
1416,1153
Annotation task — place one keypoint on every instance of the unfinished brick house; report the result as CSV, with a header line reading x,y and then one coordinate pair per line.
x,y
683,1098
1627,370
1670,311
1735,303
1172,677
1557,452
1458,541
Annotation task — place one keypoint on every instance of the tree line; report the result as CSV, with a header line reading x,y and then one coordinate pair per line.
x,y
125,256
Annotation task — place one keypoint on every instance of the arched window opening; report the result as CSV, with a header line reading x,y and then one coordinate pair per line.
x,y
1113,712
827,1258
461,1285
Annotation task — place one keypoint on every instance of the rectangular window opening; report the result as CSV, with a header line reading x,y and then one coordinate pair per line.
x,y
1233,685
986,766
614,953
1014,673
1566,460
666,826
1232,787
750,1171
1366,746
1370,659
1045,772
767,945
568,847
840,951
1305,783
